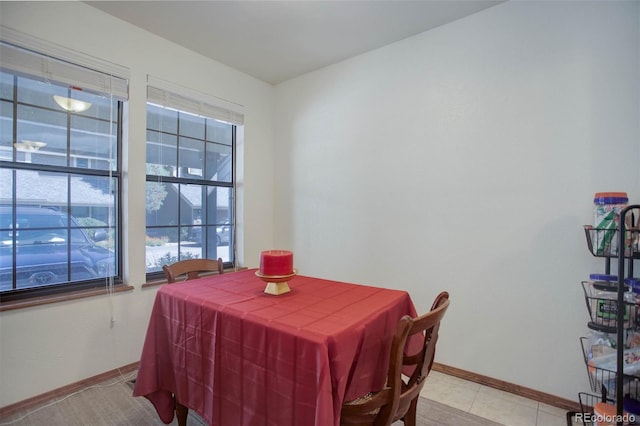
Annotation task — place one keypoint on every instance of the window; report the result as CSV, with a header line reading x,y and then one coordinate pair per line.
x,y
59,176
190,182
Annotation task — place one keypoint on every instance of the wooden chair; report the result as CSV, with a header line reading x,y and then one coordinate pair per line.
x,y
398,400
192,268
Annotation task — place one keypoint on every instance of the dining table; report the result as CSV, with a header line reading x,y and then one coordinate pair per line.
x,y
222,347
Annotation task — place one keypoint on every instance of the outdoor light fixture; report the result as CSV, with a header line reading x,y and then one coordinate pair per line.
x,y
73,105
29,146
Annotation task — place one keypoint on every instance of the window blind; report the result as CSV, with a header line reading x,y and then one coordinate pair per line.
x,y
171,95
23,54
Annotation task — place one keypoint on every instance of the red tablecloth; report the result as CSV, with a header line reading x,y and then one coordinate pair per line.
x,y
238,356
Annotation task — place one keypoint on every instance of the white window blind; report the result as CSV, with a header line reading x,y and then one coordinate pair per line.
x,y
171,95
26,55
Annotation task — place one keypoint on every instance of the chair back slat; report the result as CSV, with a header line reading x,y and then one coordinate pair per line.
x,y
429,326
398,399
192,268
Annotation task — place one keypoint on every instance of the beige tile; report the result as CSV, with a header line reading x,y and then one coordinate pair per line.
x,y
550,409
548,419
505,408
450,390
492,404
507,396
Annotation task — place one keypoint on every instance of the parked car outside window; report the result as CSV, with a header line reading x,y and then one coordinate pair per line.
x,y
45,247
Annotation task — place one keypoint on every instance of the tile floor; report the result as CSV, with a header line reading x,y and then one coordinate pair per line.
x,y
489,403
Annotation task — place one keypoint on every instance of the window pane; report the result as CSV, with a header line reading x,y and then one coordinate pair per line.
x,y
191,126
219,163
219,240
191,204
162,205
41,131
162,248
219,132
162,154
92,144
191,158
103,249
7,233
92,199
6,117
162,119
190,242
6,86
219,202
6,131
6,186
42,189
102,107
195,236
32,245
39,93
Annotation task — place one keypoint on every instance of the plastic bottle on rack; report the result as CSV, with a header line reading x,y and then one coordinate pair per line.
x,y
605,415
634,285
607,207
631,408
602,295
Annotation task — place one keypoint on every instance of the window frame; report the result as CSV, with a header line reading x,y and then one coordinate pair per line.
x,y
69,289
202,182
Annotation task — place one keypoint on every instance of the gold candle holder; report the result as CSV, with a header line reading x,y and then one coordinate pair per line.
x,y
276,284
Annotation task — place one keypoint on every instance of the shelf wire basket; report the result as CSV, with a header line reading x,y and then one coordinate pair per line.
x,y
602,306
603,242
603,381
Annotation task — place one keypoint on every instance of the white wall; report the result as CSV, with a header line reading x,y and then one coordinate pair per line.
x,y
466,159
463,159
46,347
